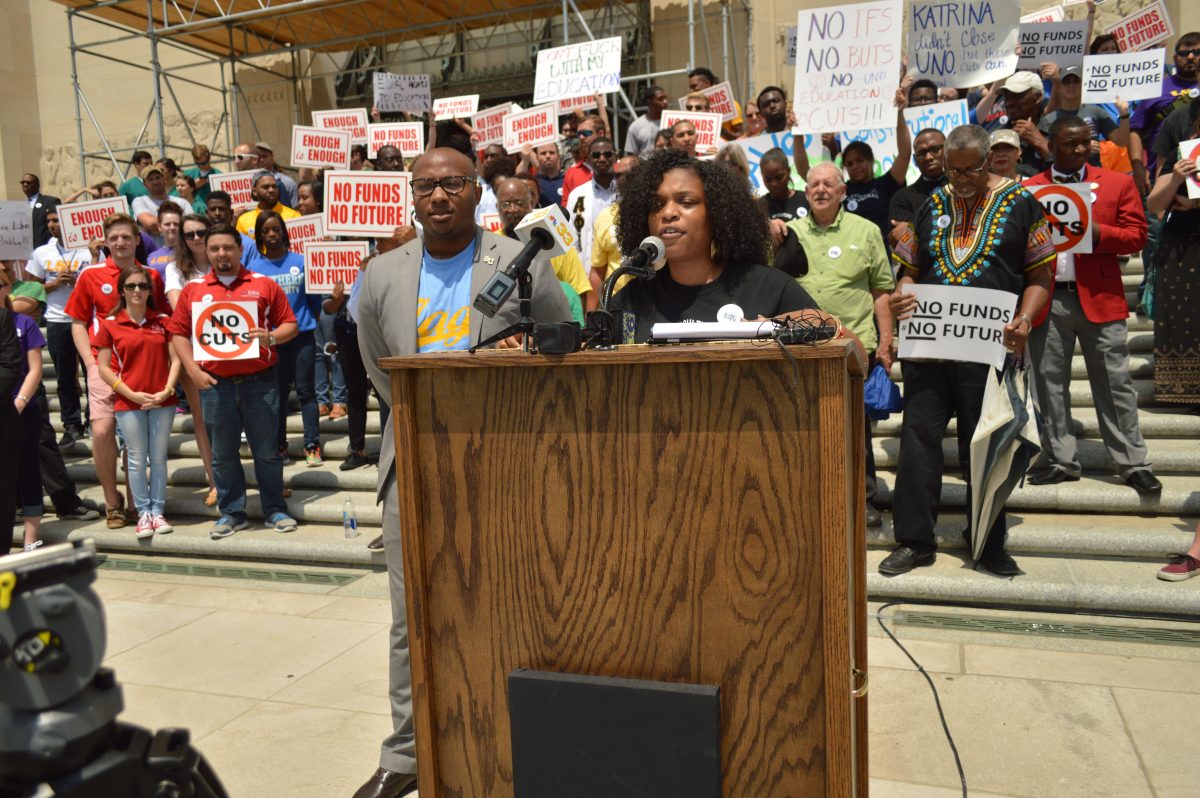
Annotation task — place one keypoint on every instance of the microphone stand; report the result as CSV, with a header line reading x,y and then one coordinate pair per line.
x,y
601,323
525,324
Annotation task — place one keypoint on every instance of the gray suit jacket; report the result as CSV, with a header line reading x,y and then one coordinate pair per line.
x,y
387,313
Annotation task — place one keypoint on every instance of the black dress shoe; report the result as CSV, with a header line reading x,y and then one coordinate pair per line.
x,y
998,563
388,784
1051,476
1144,482
904,559
873,517
355,460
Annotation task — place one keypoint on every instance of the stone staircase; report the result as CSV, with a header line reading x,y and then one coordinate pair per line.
x,y
1092,545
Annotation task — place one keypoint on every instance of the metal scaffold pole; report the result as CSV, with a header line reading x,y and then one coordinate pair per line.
x,y
75,85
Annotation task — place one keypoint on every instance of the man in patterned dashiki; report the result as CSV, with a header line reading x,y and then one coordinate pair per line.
x,y
979,231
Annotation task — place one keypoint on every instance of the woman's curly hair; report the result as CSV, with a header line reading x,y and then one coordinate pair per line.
x,y
739,228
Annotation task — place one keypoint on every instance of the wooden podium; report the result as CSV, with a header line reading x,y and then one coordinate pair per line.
x,y
687,513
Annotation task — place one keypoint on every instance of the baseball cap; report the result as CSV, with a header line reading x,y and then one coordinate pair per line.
x,y
153,168
262,145
1071,71
1021,82
259,175
1007,137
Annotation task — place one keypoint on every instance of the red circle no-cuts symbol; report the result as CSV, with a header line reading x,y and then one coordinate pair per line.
x,y
1078,212
1195,156
234,344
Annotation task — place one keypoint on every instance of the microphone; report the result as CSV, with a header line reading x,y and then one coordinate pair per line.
x,y
651,252
544,230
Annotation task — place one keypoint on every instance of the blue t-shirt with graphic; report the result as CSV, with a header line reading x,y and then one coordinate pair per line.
x,y
288,274
444,303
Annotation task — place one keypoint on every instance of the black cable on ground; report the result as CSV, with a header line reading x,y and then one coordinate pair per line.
x,y
962,777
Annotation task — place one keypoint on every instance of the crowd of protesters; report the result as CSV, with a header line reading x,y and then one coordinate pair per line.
x,y
847,232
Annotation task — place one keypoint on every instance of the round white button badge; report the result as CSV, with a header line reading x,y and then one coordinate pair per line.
x,y
295,270
835,252
1003,120
943,222
1194,93
106,289
801,213
730,313
852,205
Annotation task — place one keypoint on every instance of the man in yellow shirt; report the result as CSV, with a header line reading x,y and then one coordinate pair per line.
x,y
266,191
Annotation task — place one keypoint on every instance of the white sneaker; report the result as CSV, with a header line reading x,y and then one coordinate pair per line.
x,y
33,545
145,527
161,525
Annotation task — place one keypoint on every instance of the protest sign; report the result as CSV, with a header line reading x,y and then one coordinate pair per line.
x,y
319,149
577,70
790,46
532,128
1062,43
408,137
1127,76
953,322
1187,149
940,116
352,120
395,93
720,101
962,43
1068,209
1149,25
367,203
491,222
221,330
758,146
708,127
238,185
885,148
1051,14
847,59
327,263
455,107
16,230
304,229
489,124
571,105
82,222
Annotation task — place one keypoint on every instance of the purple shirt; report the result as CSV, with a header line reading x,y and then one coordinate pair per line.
x,y
1148,115
30,336
159,258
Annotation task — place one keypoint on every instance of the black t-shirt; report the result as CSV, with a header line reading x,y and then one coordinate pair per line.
x,y
787,209
1175,129
909,199
870,200
761,291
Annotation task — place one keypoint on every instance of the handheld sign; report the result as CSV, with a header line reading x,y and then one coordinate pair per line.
x,y
351,120
82,222
304,230
963,43
955,323
1062,43
1051,14
367,203
327,263
491,222
1187,149
395,93
238,185
318,149
1128,76
758,146
408,137
1068,209
1149,25
455,107
16,230
940,116
577,70
708,127
720,101
488,124
221,330
568,106
533,128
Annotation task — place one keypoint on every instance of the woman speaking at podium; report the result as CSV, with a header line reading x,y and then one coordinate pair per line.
x,y
716,240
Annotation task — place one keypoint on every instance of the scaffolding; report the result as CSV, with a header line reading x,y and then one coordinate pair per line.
x,y
298,44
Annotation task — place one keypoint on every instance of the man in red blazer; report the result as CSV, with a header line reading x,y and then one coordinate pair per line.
x,y
1089,305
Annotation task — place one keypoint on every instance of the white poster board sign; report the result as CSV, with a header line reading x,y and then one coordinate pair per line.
x,y
459,107
847,65
940,116
238,185
1068,209
570,105
488,124
962,43
82,222
1148,25
397,93
758,146
952,322
351,120
303,230
320,149
408,137
221,330
1187,149
326,263
1062,43
532,128
577,70
16,230
708,127
720,101
367,203
1128,76
1051,14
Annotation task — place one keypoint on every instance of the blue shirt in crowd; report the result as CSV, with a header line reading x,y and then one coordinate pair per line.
x,y
288,273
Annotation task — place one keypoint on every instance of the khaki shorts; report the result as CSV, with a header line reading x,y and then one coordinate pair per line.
x,y
100,396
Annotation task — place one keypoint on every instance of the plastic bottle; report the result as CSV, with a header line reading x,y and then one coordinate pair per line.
x,y
349,519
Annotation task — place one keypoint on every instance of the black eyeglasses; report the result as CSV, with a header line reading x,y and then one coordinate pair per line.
x,y
974,171
454,184
192,235
137,286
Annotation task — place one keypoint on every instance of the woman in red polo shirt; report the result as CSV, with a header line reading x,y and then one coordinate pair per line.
x,y
135,358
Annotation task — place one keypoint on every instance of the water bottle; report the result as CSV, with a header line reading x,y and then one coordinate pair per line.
x,y
349,519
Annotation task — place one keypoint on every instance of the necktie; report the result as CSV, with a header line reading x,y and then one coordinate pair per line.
x,y
1071,178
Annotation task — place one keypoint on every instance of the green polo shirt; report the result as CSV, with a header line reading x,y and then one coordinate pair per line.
x,y
846,261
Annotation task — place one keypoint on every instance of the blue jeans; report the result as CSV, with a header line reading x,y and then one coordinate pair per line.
x,y
297,364
249,403
147,433
330,383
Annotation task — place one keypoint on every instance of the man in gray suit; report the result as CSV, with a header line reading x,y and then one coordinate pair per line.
x,y
417,299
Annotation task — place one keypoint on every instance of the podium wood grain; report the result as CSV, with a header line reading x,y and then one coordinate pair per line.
x,y
691,514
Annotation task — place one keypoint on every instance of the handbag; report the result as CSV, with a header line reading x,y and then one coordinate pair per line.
x,y
881,395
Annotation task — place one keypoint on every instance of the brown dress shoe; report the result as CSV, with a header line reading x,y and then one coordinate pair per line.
x,y
388,784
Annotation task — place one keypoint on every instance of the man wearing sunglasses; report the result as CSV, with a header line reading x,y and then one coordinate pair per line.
x,y
586,202
1148,115
418,299
580,172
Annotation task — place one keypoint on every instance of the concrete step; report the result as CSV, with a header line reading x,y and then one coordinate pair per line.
x,y
1081,390
1155,422
52,397
334,446
189,471
1169,456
